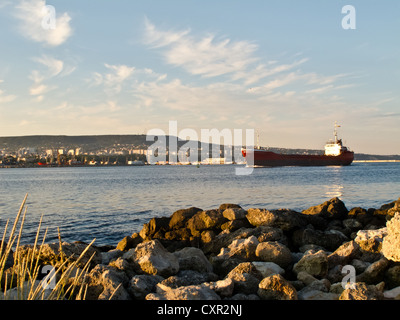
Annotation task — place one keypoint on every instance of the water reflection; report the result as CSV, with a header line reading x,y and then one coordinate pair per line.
x,y
334,190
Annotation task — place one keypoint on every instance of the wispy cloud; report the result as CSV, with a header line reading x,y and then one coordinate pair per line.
x,y
53,68
30,13
113,79
207,56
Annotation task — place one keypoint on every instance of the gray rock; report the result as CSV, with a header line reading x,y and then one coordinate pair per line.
x,y
315,264
267,268
191,258
273,251
284,219
141,285
152,258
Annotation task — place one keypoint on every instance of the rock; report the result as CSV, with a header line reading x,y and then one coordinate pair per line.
x,y
273,251
306,278
179,218
225,206
129,242
246,278
316,264
223,288
50,254
361,291
268,268
107,257
284,219
205,220
233,225
276,287
241,248
371,240
188,278
332,209
182,234
344,254
392,294
234,213
107,283
374,273
391,243
392,277
124,266
141,285
197,292
152,258
154,226
329,240
352,224
191,258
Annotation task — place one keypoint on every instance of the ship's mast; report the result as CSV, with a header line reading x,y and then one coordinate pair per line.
x,y
335,132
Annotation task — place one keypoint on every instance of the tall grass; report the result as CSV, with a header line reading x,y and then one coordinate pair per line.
x,y
20,282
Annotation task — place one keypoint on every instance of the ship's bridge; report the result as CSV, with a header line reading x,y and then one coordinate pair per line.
x,y
334,148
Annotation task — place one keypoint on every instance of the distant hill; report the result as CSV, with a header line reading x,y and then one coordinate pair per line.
x,y
95,142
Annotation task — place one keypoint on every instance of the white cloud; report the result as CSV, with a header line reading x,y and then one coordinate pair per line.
x,y
30,13
208,56
113,80
54,66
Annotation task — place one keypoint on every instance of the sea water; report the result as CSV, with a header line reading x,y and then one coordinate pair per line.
x,y
109,203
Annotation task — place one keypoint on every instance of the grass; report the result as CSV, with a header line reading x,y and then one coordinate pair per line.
x,y
21,281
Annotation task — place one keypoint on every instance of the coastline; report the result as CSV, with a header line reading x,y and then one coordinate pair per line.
x,y
229,253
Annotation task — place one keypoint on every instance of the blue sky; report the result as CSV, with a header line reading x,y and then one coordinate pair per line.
x,y
285,68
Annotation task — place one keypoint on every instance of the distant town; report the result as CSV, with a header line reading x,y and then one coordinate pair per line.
x,y
51,151
119,150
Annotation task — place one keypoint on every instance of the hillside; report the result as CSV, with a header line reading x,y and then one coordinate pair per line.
x,y
92,143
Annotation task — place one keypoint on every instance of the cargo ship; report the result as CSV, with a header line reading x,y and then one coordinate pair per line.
x,y
336,154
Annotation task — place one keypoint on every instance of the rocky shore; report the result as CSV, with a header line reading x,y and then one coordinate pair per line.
x,y
325,252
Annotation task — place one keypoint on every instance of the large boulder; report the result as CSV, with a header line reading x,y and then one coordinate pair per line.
x,y
205,220
191,258
283,219
276,287
273,251
240,248
344,254
105,283
246,278
361,291
315,264
391,243
179,218
332,209
234,213
152,258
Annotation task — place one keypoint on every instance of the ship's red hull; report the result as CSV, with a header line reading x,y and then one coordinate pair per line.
x,y
265,158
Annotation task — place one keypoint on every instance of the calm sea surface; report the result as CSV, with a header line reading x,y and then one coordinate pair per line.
x,y
108,203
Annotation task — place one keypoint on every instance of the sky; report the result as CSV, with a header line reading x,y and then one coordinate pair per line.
x,y
287,69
